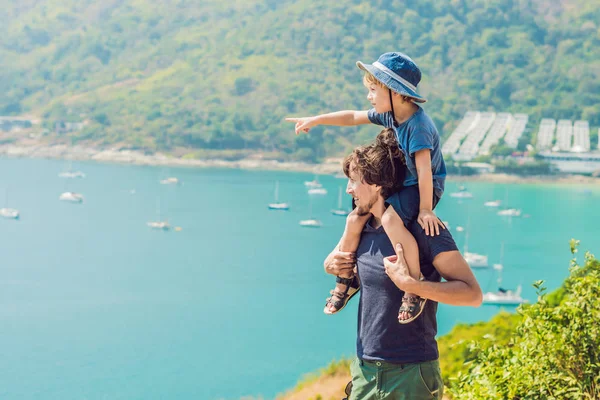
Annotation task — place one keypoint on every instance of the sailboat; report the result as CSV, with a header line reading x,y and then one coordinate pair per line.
x,y
9,213
169,181
473,259
503,296
462,193
492,203
509,212
277,205
71,197
6,212
311,222
313,184
339,210
158,224
317,190
70,174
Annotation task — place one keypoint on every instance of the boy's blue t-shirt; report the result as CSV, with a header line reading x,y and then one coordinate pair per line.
x,y
416,133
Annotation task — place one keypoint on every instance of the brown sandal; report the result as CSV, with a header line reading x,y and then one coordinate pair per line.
x,y
340,299
417,304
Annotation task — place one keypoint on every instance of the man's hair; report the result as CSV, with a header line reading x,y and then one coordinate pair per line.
x,y
370,78
379,163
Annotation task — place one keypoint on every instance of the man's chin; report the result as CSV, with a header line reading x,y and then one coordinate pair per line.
x,y
362,211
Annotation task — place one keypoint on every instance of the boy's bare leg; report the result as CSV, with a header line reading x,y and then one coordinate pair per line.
x,y
397,233
348,243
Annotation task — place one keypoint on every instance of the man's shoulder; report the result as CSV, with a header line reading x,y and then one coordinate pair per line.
x,y
431,246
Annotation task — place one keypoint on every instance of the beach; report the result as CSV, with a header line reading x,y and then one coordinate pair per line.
x,y
35,149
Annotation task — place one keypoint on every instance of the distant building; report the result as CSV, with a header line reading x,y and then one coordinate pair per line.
x,y
479,131
61,127
484,168
573,163
8,124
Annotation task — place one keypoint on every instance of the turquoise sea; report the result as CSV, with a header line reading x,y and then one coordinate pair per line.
x,y
95,305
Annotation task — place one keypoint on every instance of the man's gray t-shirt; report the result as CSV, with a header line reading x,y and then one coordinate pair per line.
x,y
416,133
380,336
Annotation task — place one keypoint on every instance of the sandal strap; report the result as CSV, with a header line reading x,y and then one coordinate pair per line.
x,y
338,294
406,308
344,281
411,299
336,299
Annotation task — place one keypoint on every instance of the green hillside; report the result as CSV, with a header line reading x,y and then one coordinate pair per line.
x,y
222,75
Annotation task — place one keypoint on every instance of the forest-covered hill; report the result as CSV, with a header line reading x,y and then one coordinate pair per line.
x,y
223,75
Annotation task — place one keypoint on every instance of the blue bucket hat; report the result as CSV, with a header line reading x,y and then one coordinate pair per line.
x,y
397,72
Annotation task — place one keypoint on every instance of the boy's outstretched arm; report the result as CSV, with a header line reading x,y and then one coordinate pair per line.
x,y
427,218
338,118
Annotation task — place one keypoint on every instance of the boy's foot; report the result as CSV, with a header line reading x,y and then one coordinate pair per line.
x,y
345,289
412,306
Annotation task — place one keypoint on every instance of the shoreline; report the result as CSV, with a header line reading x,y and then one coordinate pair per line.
x,y
331,166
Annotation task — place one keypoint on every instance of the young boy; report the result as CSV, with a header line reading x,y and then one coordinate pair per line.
x,y
392,85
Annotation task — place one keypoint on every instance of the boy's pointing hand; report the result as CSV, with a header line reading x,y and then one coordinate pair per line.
x,y
303,124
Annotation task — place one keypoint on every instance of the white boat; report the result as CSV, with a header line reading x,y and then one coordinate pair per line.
x,y
339,210
311,222
70,174
510,212
9,213
493,203
459,229
476,260
473,259
313,184
503,296
71,197
462,193
159,225
319,191
277,205
169,181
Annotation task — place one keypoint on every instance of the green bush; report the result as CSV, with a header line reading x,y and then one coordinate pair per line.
x,y
554,352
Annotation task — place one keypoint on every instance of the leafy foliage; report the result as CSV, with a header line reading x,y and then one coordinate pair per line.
x,y
554,353
216,75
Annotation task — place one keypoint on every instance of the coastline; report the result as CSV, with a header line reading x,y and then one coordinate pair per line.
x,y
256,162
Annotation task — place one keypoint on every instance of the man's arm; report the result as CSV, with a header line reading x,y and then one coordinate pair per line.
x,y
460,289
338,118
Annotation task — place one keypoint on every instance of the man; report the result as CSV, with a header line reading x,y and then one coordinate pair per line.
x,y
396,361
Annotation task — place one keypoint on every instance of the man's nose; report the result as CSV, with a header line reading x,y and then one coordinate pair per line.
x,y
349,188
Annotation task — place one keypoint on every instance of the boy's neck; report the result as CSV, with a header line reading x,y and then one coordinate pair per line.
x,y
403,111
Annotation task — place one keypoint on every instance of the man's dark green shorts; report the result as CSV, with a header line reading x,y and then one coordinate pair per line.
x,y
378,380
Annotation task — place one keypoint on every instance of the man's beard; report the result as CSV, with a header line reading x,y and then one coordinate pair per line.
x,y
366,210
